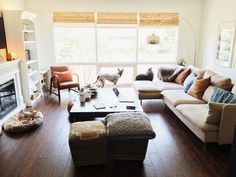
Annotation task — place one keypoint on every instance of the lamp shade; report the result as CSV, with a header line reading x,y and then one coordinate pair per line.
x,y
153,39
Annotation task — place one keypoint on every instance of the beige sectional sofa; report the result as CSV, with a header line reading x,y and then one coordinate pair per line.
x,y
191,111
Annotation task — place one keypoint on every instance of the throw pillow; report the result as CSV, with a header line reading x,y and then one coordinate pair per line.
x,y
189,81
64,76
182,76
214,113
222,96
199,86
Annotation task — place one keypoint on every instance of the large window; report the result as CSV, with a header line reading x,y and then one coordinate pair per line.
x,y
113,40
74,44
117,45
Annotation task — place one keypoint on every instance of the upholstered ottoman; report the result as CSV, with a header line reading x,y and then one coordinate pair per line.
x,y
128,135
88,143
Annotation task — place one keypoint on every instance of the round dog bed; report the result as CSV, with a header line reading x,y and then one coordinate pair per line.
x,y
23,122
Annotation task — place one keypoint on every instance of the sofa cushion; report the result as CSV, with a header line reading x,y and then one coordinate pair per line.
x,y
208,73
145,86
196,70
189,81
160,85
218,81
199,86
234,89
197,114
176,97
182,76
207,94
214,113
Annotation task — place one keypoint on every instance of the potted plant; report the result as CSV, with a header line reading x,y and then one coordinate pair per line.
x,y
181,62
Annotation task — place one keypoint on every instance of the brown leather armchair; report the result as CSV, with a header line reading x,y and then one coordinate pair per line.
x,y
62,78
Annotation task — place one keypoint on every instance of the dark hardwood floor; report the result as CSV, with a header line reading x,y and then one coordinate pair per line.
x,y
175,151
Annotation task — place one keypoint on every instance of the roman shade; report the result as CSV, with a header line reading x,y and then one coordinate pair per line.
x,y
116,18
143,19
159,19
73,17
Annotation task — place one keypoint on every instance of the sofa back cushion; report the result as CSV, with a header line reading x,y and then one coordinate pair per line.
x,y
214,113
208,73
196,70
189,81
199,86
207,94
218,81
234,89
182,76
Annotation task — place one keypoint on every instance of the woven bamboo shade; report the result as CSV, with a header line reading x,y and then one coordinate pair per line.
x,y
116,18
159,19
73,17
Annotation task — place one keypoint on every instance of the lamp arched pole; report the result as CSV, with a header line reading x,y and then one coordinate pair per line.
x,y
194,37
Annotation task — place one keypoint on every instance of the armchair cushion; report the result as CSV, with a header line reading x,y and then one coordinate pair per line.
x,y
68,84
64,76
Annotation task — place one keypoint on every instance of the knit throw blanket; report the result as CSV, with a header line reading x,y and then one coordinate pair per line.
x,y
168,74
222,96
132,125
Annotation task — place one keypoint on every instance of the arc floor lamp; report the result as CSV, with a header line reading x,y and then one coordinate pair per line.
x,y
155,39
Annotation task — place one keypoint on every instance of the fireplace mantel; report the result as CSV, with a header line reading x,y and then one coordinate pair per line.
x,y
10,70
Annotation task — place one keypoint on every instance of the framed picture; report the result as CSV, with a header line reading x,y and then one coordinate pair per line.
x,y
225,44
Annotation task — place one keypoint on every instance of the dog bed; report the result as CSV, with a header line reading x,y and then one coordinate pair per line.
x,y
23,122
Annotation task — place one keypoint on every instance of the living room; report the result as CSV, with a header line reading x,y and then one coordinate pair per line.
x,y
98,37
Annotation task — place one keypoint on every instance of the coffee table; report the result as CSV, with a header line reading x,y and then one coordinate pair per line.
x,y
107,97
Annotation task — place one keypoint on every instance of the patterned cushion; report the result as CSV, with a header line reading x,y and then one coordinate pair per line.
x,y
87,130
132,125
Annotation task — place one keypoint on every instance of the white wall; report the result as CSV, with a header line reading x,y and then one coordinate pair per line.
x,y
12,4
190,9
215,11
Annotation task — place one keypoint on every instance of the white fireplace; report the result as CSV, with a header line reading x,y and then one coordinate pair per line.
x,y
10,71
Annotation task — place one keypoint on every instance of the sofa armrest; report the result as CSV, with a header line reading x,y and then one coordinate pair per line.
x,y
227,123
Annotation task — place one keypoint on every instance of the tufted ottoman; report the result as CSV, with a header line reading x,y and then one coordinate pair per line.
x,y
129,134
88,143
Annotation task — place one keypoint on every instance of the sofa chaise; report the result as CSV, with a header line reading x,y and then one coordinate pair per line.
x,y
192,111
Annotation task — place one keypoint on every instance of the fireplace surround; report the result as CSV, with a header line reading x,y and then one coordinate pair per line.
x,y
8,100
10,77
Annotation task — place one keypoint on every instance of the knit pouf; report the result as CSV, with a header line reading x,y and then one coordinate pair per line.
x,y
23,122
